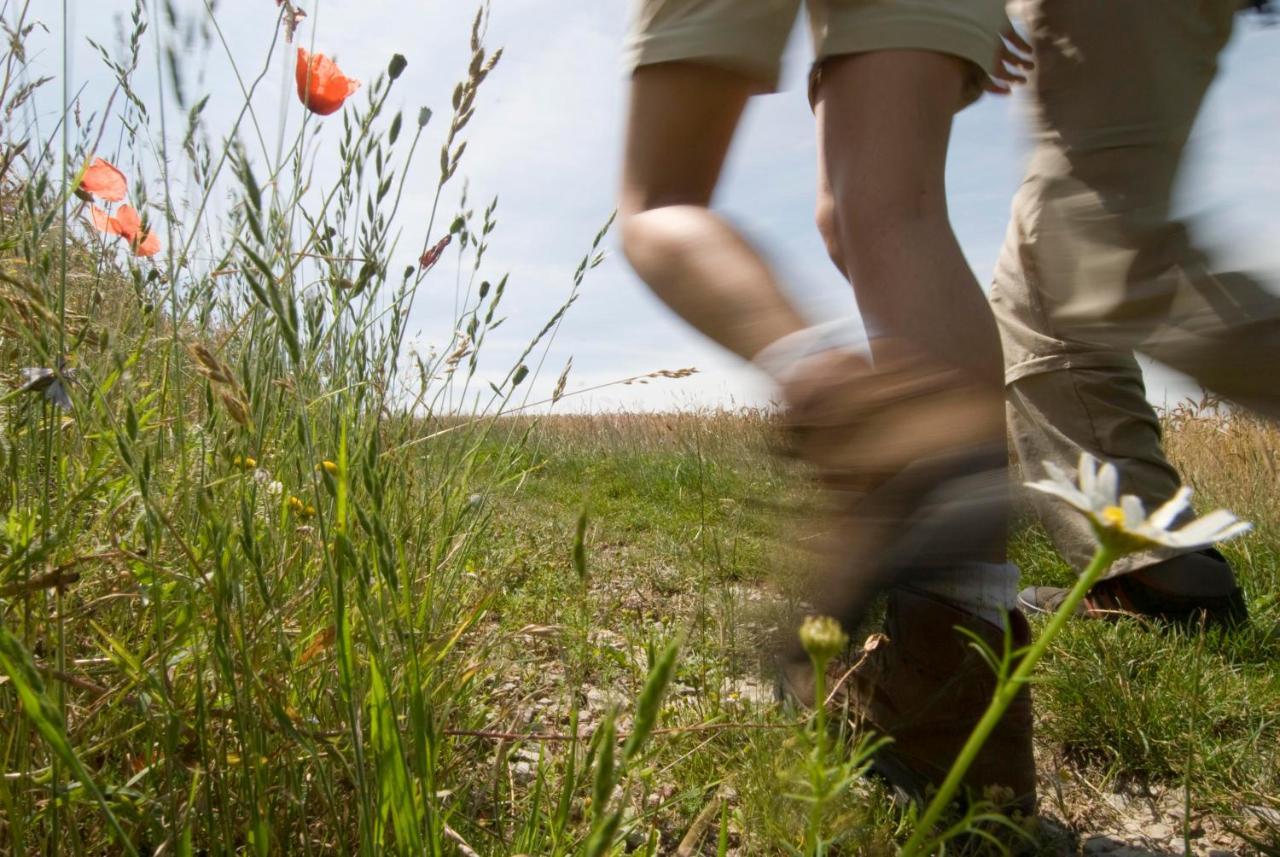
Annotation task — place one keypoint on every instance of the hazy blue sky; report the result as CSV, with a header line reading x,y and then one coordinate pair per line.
x,y
546,138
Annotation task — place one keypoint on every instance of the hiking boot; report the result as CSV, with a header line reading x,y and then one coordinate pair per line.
x,y
922,684
1221,602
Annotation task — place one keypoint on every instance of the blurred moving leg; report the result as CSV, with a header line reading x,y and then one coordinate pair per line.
x,y
1095,267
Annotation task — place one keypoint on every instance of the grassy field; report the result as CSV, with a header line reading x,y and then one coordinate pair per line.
x,y
687,517
684,538
273,582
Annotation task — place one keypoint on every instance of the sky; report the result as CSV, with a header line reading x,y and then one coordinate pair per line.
x,y
546,140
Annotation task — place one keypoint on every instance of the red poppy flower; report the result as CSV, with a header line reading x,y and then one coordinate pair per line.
x,y
128,226
103,180
321,84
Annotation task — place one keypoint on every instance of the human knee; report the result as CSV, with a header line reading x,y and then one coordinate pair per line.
x,y
637,238
828,228
655,237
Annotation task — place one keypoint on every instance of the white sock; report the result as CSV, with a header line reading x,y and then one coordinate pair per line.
x,y
780,358
988,590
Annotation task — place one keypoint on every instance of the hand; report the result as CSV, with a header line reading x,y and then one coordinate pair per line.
x,y
1013,61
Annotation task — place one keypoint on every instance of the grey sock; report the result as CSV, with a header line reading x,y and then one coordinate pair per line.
x,y
986,589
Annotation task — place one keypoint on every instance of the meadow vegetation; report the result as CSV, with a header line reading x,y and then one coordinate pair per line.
x,y
272,581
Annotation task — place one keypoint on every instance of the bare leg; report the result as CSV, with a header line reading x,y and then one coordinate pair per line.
x,y
682,119
1094,266
826,216
884,125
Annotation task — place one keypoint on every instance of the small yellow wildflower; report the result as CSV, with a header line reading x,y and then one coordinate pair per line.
x,y
329,467
247,462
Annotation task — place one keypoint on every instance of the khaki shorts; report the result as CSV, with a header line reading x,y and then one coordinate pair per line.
x,y
750,35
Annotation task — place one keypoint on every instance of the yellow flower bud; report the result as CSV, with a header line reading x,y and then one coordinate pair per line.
x,y
822,637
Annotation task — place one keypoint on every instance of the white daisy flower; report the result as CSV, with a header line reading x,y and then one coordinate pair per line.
x,y
1121,524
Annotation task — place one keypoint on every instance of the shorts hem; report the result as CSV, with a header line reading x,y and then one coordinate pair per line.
x,y
693,48
956,38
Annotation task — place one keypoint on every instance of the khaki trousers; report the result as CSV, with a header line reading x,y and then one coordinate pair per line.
x,y
1094,268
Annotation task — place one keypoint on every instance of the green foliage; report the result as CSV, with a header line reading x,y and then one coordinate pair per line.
x,y
47,718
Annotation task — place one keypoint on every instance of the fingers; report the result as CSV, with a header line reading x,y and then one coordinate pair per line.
x,y
1014,58
1012,37
1005,77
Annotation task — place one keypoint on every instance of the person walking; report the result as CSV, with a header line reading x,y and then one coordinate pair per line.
x,y
1095,267
909,442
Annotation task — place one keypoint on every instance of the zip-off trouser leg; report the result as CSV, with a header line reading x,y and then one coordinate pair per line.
x,y
1094,268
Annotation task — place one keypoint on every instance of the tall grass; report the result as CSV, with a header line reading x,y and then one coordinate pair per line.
x,y
235,571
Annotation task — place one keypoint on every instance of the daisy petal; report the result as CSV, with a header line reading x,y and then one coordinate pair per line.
x,y
1134,515
1168,513
1236,529
1127,528
1206,530
1088,475
1057,474
1063,492
1107,485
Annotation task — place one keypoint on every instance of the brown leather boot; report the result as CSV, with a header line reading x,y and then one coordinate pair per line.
x,y
1154,593
923,684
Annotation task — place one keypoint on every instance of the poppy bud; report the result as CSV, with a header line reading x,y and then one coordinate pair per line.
x,y
397,66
